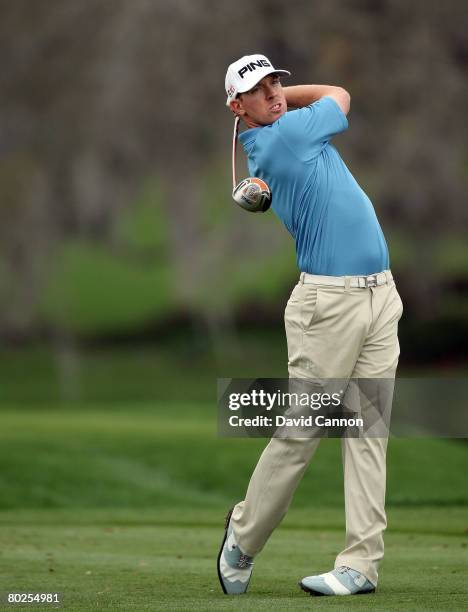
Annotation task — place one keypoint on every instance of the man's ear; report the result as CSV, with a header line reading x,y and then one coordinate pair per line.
x,y
236,107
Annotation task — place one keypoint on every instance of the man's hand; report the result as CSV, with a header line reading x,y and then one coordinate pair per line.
x,y
303,95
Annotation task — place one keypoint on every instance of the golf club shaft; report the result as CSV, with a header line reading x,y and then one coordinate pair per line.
x,y
234,150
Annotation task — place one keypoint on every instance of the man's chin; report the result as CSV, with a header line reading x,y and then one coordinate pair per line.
x,y
277,114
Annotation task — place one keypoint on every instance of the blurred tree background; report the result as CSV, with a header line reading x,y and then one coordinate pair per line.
x,y
117,222
130,281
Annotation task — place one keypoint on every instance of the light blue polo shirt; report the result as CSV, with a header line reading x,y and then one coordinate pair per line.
x,y
314,194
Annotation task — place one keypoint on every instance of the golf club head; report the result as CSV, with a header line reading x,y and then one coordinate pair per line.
x,y
252,194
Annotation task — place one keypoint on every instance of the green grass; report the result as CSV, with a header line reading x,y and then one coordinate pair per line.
x,y
133,560
119,504
161,454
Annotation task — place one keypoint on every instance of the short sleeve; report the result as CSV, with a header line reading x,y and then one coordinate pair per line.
x,y
307,130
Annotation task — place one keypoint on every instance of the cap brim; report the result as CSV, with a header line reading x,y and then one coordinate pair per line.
x,y
285,72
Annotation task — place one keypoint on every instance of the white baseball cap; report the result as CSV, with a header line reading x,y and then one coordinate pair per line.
x,y
246,72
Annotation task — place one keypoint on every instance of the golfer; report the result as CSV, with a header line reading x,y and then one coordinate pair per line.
x,y
341,319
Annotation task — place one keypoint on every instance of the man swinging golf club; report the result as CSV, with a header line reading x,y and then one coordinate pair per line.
x,y
341,319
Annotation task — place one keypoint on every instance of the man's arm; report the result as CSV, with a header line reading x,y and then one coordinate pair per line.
x,y
298,96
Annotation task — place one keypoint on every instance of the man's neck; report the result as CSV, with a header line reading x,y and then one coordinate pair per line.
x,y
250,123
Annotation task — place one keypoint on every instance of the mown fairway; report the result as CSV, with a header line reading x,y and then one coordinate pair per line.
x,y
150,560
120,506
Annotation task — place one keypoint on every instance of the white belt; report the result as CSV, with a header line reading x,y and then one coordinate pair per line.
x,y
373,280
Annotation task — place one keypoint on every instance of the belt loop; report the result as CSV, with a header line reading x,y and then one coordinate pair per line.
x,y
301,278
347,283
388,276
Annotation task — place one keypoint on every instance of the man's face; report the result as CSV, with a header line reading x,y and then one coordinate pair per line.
x,y
263,104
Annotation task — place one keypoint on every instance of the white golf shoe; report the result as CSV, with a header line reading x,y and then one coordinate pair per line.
x,y
234,566
340,581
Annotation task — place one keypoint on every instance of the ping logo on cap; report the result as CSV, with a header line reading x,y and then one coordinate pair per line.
x,y
251,66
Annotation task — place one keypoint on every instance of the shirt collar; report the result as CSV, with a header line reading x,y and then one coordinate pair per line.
x,y
248,136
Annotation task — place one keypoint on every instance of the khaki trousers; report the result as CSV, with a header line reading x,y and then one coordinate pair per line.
x,y
332,332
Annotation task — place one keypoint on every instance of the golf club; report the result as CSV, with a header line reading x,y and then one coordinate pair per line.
x,y
252,194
